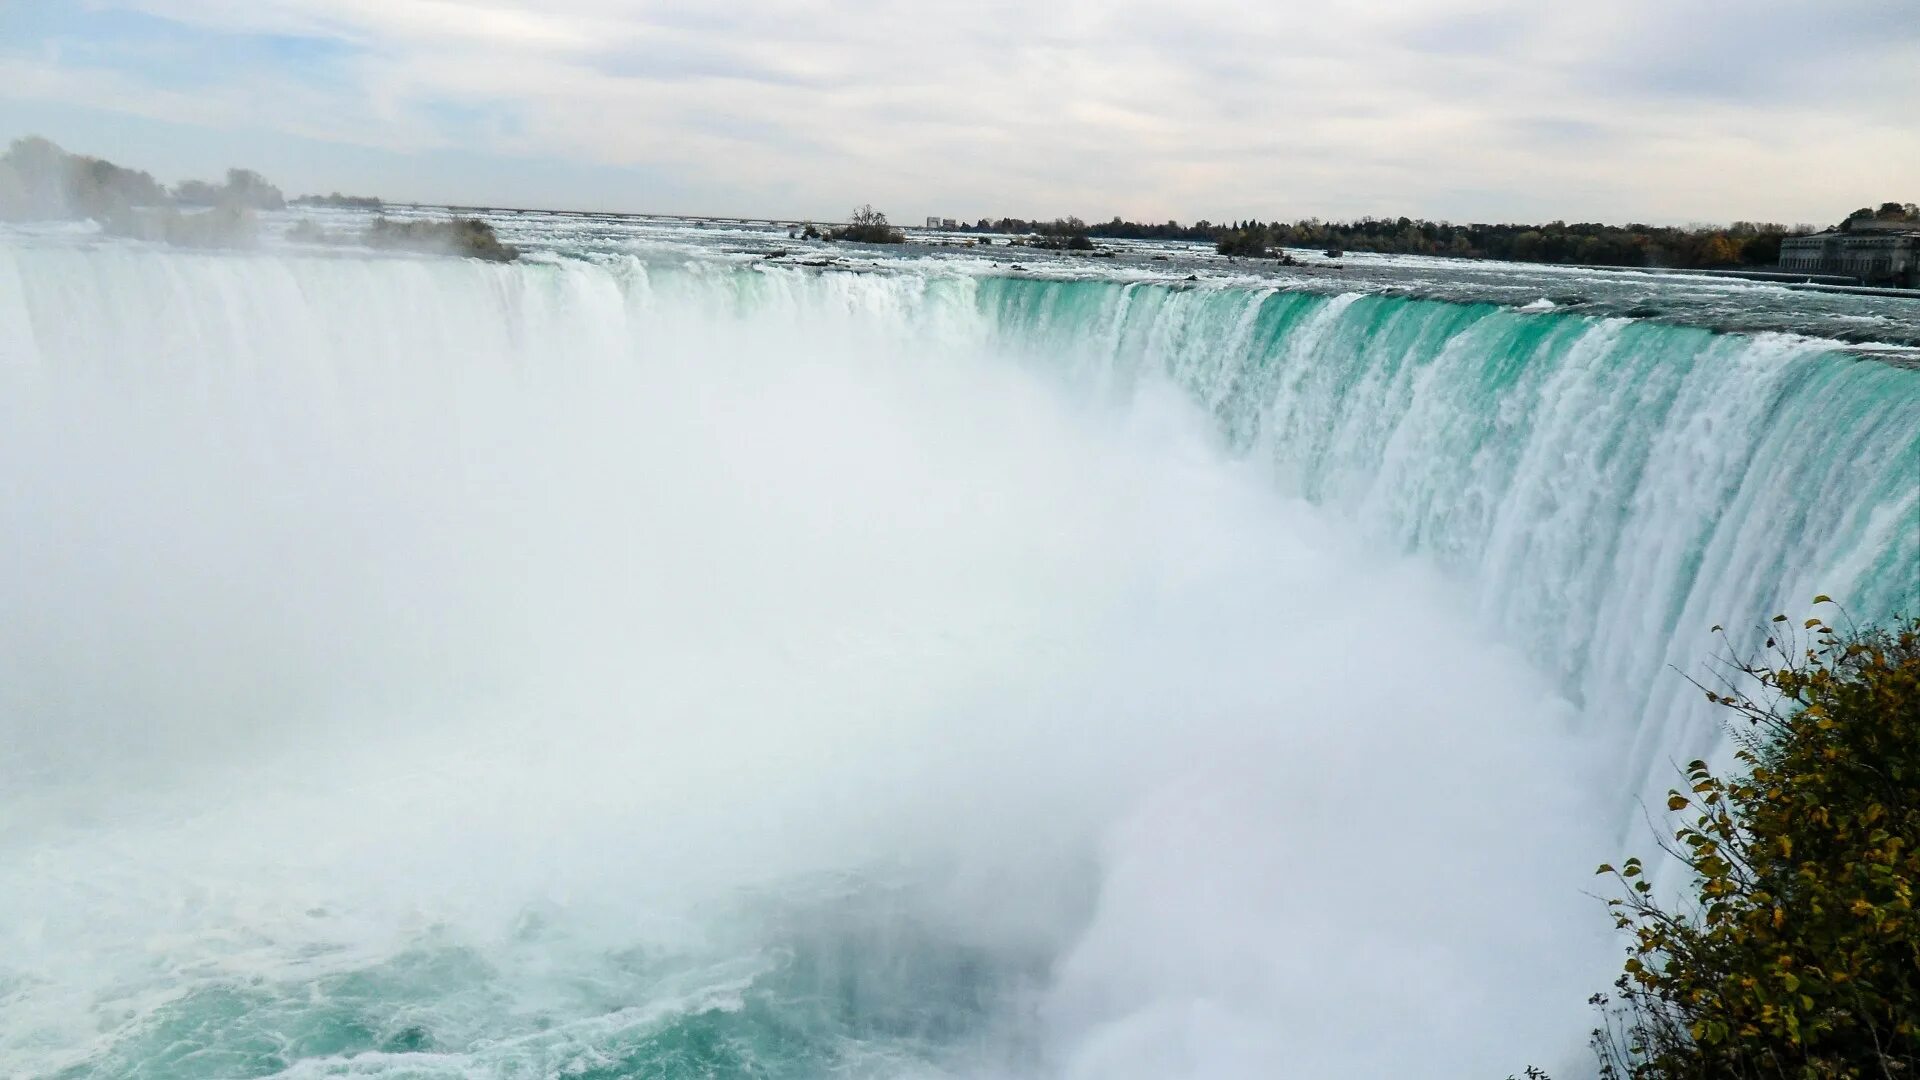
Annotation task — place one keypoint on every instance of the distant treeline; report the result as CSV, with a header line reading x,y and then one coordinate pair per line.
x,y
1744,243
39,181
337,200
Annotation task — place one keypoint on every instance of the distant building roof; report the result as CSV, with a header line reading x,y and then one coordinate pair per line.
x,y
1909,229
1876,224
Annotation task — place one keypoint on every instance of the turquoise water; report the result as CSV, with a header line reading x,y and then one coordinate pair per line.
x,y
813,1003
1613,486
629,665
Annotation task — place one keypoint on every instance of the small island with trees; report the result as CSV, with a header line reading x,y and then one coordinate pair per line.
x,y
868,226
465,236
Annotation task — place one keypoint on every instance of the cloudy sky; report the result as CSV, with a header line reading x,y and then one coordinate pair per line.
x,y
1649,110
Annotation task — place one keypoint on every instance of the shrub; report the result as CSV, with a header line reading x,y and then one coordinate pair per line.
x,y
244,189
1798,954
1251,243
1060,234
868,226
470,237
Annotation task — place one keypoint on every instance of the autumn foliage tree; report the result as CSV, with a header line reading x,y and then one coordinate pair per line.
x,y
1798,953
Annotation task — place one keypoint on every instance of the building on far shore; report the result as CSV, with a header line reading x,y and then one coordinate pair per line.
x,y
942,223
1876,252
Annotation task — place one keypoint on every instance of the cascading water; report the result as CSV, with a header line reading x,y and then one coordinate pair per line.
x,y
1611,487
617,668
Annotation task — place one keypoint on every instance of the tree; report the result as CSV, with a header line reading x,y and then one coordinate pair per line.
x,y
1252,243
196,193
248,188
244,189
1798,954
1762,249
1719,251
100,189
868,226
40,180
469,237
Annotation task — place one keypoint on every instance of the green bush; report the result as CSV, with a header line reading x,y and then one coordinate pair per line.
x,y
1252,243
1798,952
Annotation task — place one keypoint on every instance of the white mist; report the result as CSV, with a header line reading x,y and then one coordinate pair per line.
x,y
358,604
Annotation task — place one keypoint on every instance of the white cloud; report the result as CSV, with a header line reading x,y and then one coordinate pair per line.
x,y
1473,109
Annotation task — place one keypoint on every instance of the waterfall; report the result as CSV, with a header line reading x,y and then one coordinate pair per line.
x,y
616,666
1612,488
